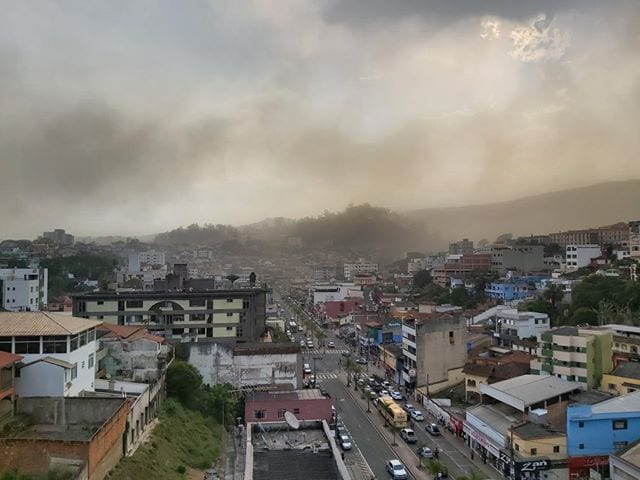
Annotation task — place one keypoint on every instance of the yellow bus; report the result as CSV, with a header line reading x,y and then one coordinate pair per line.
x,y
392,412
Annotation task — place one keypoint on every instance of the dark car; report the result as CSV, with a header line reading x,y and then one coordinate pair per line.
x,y
433,429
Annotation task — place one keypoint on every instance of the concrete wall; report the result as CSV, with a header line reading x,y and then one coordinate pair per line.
x,y
441,346
41,380
217,364
68,410
137,360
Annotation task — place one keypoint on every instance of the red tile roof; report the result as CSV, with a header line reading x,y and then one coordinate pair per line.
x,y
129,332
7,359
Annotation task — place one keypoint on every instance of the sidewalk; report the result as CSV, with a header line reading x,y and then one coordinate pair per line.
x,y
406,454
403,451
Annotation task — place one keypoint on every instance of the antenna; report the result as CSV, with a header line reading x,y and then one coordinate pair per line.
x,y
291,420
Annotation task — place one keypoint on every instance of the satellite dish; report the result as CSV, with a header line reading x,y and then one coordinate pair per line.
x,y
292,420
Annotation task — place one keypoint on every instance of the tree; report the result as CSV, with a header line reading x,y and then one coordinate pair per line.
x,y
434,467
221,403
183,382
421,279
460,297
232,277
133,282
584,315
554,294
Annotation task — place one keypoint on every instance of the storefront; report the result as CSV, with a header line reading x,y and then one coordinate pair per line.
x,y
487,450
531,470
580,467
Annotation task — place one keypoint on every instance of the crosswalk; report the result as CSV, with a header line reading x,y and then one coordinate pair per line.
x,y
320,351
326,376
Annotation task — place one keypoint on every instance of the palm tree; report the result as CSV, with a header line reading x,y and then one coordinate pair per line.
x,y
554,294
434,467
349,366
232,277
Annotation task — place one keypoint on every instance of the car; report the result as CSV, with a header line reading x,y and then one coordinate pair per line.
x,y
310,344
386,385
408,407
416,415
408,435
340,430
396,469
396,395
361,361
384,393
433,429
425,452
312,380
346,354
306,369
345,442
331,345
323,392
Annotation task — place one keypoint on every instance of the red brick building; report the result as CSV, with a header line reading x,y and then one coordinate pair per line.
x,y
7,382
335,309
304,404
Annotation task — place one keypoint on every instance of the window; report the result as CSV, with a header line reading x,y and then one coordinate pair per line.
x,y
581,446
74,371
471,383
134,303
619,424
620,445
82,339
238,331
5,344
229,314
197,302
259,414
82,366
100,302
91,361
281,412
74,343
580,424
534,451
296,411
612,386
27,345
451,338
197,317
556,449
229,300
57,344
229,329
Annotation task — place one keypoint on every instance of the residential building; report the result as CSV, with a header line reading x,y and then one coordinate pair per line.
x,y
596,431
324,273
507,291
392,360
414,265
194,316
617,234
83,434
248,365
464,246
521,258
59,237
491,366
307,404
634,239
8,382
151,257
361,266
512,325
626,343
578,256
626,465
58,352
335,293
575,354
459,267
364,279
432,345
23,289
624,379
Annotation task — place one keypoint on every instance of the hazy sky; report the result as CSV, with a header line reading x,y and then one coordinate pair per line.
x,y
124,117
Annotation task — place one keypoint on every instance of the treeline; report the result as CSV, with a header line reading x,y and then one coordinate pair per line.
x,y
83,266
357,228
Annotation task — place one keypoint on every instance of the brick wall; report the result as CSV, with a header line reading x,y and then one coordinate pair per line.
x,y
305,409
32,456
106,447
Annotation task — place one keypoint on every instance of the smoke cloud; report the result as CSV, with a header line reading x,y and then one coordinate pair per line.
x,y
124,118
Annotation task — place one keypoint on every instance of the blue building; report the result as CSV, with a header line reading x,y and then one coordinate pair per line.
x,y
507,291
603,428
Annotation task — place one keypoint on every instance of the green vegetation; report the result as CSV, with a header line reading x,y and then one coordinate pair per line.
x,y
91,266
182,439
53,474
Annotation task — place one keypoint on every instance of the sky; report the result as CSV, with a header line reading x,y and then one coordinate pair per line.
x,y
135,117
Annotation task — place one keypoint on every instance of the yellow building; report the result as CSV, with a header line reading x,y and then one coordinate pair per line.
x,y
533,440
623,380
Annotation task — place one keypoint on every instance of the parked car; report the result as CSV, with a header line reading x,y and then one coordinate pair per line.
x,y
331,345
396,469
408,407
345,442
310,344
386,385
433,429
417,415
396,395
384,393
307,369
361,361
425,452
408,435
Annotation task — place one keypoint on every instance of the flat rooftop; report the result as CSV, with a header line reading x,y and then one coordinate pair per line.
x,y
526,390
306,394
530,431
498,417
622,404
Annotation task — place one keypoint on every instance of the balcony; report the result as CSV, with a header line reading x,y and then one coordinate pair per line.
x,y
547,353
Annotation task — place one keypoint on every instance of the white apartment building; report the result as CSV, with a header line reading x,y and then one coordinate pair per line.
x,y
578,256
58,352
152,257
361,266
512,325
23,289
335,293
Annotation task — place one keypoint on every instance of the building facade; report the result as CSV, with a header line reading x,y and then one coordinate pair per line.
x,y
361,266
308,404
521,258
23,289
578,256
634,239
220,315
507,291
512,325
577,355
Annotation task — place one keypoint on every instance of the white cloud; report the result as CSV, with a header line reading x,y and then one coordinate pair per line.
x,y
539,41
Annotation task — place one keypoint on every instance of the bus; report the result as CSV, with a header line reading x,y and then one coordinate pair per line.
x,y
392,412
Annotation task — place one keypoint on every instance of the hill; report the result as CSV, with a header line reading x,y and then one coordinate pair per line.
x,y
592,206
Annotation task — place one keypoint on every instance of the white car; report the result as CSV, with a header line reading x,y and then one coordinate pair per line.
x,y
396,470
395,395
331,345
345,442
417,415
